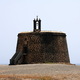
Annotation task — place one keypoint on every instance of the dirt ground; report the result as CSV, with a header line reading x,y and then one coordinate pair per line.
x,y
40,72
29,77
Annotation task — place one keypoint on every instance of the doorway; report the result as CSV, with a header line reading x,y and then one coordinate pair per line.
x,y
25,55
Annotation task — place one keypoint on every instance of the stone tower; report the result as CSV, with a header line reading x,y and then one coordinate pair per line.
x,y
40,47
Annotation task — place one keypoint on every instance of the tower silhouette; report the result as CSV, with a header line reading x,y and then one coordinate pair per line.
x,y
40,47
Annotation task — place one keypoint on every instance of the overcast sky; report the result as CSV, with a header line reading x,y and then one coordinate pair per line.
x,y
56,15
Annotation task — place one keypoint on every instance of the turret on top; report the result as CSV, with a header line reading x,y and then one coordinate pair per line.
x,y
37,25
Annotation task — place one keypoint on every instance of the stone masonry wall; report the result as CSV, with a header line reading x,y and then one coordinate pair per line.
x,y
41,47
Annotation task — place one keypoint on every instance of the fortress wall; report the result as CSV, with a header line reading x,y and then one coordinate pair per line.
x,y
42,47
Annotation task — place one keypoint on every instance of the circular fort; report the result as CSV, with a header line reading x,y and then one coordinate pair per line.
x,y
40,47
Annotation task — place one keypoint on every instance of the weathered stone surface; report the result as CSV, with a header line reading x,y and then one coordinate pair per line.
x,y
41,47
